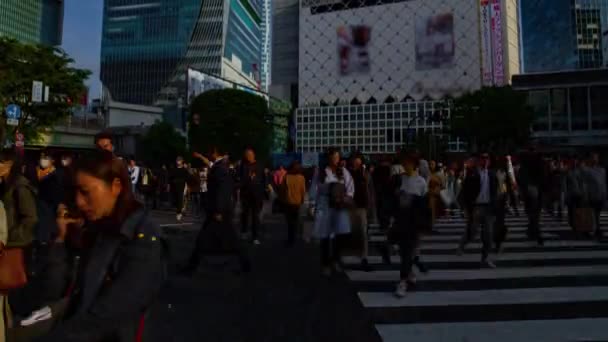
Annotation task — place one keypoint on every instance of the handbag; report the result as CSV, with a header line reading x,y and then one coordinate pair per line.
x,y
12,269
583,220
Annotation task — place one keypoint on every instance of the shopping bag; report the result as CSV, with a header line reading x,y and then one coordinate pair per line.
x,y
583,220
446,197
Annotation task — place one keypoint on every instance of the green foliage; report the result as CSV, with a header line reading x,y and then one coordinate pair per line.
x,y
231,119
280,111
161,145
20,64
496,118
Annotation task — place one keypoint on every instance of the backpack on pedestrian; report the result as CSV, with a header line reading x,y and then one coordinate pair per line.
x,y
338,198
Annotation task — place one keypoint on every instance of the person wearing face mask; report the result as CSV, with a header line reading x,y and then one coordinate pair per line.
x,y
51,194
119,276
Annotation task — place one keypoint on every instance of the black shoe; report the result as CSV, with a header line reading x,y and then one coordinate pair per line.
x,y
365,266
386,258
420,265
599,236
245,266
189,270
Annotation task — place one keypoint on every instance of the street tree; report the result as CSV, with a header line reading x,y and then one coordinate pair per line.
x,y
231,119
20,65
162,144
495,118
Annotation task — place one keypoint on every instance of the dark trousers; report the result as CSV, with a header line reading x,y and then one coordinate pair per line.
x,y
251,210
331,250
292,214
480,215
597,210
178,197
222,240
500,227
408,243
533,209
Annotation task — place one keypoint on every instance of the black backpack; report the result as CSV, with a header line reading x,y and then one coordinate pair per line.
x,y
337,191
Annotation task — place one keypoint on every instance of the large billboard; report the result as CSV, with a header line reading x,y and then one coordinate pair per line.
x,y
486,42
399,50
199,83
435,46
498,67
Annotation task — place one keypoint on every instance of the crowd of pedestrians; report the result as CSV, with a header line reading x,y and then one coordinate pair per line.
x,y
82,260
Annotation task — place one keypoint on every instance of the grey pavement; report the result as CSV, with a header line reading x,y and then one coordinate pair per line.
x,y
284,298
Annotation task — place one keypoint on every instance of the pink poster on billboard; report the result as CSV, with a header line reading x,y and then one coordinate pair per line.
x,y
497,44
486,43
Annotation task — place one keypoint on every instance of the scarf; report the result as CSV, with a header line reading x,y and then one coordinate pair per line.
x,y
43,173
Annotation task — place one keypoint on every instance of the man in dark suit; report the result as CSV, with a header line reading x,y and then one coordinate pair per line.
x,y
218,236
480,188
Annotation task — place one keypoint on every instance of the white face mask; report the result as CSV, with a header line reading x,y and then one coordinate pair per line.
x,y
65,162
45,163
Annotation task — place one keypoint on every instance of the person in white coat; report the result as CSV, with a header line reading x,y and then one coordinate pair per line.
x,y
332,222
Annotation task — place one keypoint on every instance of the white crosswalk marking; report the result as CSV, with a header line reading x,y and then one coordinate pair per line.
x,y
555,292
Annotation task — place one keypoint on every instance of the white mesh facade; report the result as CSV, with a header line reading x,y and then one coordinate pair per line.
x,y
373,73
393,69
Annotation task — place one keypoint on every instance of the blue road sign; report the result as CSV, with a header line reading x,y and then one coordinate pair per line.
x,y
13,111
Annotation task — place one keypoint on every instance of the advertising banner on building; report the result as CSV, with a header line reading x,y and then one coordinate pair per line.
x,y
435,45
310,159
497,44
353,54
486,43
199,82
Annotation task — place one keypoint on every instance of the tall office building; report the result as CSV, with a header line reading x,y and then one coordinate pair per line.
x,y
266,44
148,45
32,21
285,50
563,34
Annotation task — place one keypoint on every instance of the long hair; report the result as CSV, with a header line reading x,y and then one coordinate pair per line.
x,y
8,155
104,166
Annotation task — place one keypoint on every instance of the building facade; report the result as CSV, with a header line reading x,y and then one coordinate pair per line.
x,y
266,69
559,35
570,108
32,21
148,46
285,50
374,75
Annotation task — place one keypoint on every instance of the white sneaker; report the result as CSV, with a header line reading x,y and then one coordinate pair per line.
x,y
401,290
489,263
179,217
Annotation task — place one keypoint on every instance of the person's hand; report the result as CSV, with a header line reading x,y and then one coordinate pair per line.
x,y
63,221
218,217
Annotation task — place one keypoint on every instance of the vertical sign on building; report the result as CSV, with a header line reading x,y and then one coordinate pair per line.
x,y
486,43
497,44
37,91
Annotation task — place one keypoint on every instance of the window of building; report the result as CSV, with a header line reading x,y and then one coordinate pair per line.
x,y
579,108
559,110
539,101
599,107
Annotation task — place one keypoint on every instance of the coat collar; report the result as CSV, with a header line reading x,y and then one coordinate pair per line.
x,y
131,223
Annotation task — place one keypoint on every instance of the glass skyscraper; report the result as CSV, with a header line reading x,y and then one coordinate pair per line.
x,y
32,21
563,34
147,45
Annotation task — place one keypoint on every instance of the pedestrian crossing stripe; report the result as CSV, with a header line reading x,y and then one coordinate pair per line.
x,y
555,292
